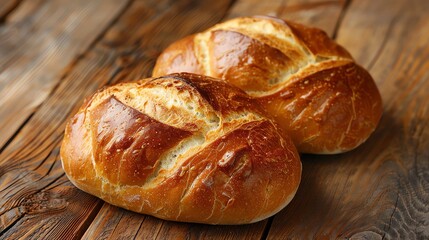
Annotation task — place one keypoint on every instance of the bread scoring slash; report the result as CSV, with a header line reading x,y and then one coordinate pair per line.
x,y
304,80
181,147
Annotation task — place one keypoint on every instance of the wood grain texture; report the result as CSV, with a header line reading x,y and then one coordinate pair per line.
x,y
381,189
115,223
36,199
127,51
322,14
6,7
378,191
38,40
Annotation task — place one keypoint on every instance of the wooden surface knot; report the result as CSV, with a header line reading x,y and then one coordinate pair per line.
x,y
42,202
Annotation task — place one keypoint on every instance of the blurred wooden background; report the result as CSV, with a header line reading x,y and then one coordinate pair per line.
x,y
55,53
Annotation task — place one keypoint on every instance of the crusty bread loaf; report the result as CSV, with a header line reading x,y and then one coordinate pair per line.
x,y
181,147
308,83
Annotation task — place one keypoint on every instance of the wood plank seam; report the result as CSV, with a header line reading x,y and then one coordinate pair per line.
x,y
138,229
383,43
88,221
20,157
117,70
391,217
284,8
341,18
267,228
23,214
66,72
18,130
68,69
227,12
9,9
46,29
3,231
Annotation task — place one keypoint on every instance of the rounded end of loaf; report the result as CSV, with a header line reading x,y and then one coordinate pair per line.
x,y
331,111
181,147
286,67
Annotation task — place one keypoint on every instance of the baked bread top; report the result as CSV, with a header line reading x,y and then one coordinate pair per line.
x,y
308,83
181,147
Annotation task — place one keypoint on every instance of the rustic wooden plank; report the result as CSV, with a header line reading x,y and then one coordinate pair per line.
x,y
59,211
115,223
33,188
38,40
367,193
317,13
381,189
127,51
30,166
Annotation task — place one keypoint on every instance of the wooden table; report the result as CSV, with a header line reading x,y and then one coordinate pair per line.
x,y
55,53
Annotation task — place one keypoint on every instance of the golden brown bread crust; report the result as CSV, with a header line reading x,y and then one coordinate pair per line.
x,y
203,154
308,83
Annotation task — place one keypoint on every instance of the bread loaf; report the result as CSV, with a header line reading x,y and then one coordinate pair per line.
x,y
181,147
309,84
